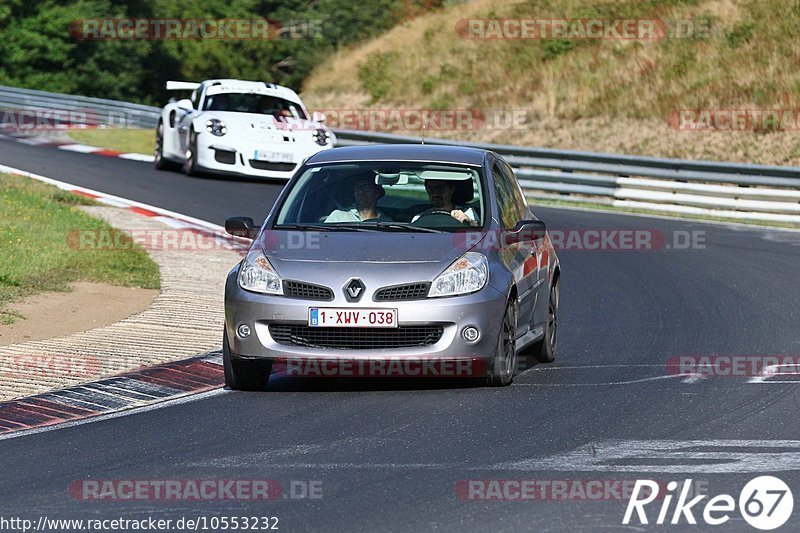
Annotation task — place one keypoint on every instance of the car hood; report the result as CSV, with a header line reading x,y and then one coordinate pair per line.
x,y
384,257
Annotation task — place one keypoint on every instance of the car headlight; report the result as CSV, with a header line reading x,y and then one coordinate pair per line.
x,y
467,274
322,136
257,275
216,127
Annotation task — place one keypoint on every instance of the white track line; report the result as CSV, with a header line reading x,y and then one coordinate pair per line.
x,y
110,199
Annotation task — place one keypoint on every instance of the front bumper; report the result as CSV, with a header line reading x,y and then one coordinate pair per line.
x,y
224,158
483,309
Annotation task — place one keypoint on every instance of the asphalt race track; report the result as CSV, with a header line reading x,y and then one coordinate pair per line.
x,y
396,455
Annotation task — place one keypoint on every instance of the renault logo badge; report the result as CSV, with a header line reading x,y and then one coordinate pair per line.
x,y
353,290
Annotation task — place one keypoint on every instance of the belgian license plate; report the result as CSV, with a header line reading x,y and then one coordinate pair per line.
x,y
347,317
269,155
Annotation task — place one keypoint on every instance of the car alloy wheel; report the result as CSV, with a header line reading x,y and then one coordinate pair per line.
x,y
161,163
505,359
190,167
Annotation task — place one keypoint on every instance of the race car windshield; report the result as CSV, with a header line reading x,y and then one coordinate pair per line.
x,y
386,197
254,103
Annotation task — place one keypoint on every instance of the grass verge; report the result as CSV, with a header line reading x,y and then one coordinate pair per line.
x,y
36,254
127,140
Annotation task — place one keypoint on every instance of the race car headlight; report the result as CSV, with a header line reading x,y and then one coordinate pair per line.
x,y
216,127
322,137
467,274
257,275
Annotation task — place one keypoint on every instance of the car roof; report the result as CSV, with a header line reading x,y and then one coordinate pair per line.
x,y
402,152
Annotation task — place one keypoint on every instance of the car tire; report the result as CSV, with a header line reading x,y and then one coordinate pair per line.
x,y
545,350
244,374
190,166
161,163
505,358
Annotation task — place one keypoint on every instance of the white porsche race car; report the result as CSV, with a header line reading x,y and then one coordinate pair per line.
x,y
238,127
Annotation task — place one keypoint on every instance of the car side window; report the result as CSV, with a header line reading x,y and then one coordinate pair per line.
x,y
506,202
516,190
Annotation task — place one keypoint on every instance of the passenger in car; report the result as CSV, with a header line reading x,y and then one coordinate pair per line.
x,y
440,193
366,194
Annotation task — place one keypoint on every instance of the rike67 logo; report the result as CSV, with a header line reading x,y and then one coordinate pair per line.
x,y
765,503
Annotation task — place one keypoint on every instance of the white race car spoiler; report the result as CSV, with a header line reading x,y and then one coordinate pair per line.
x,y
182,85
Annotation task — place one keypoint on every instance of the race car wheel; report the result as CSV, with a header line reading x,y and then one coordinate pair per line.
x,y
505,359
161,162
244,374
190,167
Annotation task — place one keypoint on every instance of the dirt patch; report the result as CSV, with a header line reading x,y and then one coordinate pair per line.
x,y
88,306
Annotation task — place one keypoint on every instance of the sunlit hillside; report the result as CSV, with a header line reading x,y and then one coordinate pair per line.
x,y
713,63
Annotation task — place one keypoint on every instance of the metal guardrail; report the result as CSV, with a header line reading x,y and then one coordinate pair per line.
x,y
720,189
74,110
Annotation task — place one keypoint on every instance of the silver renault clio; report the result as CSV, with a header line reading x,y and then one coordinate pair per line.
x,y
392,260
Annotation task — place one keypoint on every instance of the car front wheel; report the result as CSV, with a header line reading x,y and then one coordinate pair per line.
x,y
190,166
161,162
244,374
505,359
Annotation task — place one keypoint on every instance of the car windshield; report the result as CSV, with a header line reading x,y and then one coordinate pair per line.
x,y
385,196
254,103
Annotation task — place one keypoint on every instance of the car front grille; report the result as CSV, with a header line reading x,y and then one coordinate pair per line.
x,y
306,291
277,167
413,291
355,338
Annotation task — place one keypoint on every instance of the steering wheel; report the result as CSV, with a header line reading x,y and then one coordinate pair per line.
x,y
438,218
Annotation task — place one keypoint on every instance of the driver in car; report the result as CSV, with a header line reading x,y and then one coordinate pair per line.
x,y
366,193
440,193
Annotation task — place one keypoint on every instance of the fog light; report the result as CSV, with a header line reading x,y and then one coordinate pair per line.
x,y
243,331
470,334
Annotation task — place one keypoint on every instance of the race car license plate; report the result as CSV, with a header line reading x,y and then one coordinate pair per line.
x,y
275,157
335,317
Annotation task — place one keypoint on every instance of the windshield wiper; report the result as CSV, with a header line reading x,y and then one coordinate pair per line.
x,y
405,226
318,227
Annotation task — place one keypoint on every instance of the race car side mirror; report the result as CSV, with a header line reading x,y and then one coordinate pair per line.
x,y
316,116
526,230
241,227
185,104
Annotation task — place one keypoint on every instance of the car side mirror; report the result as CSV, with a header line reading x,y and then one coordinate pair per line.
x,y
316,116
185,105
241,227
526,230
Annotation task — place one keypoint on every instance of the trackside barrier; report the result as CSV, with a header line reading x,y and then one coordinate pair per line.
x,y
681,186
